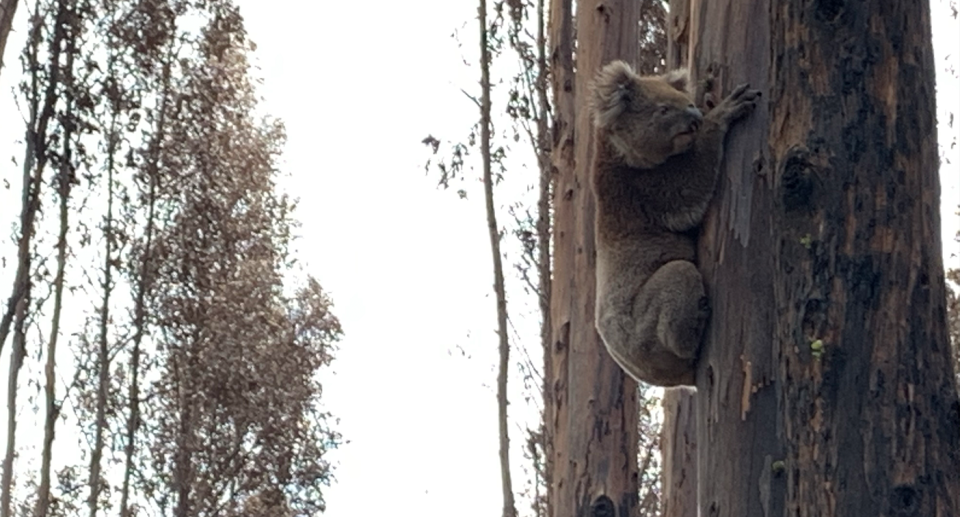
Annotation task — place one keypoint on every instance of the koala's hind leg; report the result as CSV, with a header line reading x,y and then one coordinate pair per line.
x,y
672,305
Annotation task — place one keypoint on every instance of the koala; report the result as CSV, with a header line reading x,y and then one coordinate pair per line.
x,y
656,164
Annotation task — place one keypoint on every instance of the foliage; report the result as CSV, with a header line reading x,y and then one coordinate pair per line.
x,y
196,369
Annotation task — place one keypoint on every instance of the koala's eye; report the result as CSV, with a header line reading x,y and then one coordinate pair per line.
x,y
663,110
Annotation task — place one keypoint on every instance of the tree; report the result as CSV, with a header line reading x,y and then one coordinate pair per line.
x,y
8,9
678,442
499,287
42,86
150,218
517,28
826,385
234,427
591,404
72,119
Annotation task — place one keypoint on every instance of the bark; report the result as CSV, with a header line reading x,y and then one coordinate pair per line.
x,y
8,9
678,442
544,270
16,361
592,403
825,386
544,267
560,38
678,447
65,178
503,370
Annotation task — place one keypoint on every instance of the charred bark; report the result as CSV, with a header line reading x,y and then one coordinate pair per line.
x,y
826,386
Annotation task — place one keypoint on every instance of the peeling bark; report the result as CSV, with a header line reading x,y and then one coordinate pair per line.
x,y
826,386
593,404
678,442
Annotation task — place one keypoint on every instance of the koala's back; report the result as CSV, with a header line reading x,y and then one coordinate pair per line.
x,y
635,209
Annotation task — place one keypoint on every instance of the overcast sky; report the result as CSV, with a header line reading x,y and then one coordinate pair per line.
x,y
359,84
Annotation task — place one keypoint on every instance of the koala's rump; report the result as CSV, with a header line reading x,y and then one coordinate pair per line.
x,y
624,263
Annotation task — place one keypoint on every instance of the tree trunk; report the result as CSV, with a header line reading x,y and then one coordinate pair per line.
x,y
35,159
678,447
114,138
16,362
8,9
65,178
678,438
144,279
493,229
560,38
825,386
544,264
592,409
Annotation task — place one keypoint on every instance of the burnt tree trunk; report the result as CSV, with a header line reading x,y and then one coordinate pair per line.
x,y
592,404
825,386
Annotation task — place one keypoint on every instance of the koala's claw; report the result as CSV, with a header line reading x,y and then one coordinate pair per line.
x,y
741,101
739,90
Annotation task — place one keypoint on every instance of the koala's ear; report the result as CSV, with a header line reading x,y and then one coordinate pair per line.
x,y
679,79
611,92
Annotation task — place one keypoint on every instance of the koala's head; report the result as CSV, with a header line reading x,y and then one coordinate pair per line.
x,y
647,119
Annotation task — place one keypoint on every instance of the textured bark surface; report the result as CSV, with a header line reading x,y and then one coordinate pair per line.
x,y
592,412
678,437
678,446
826,386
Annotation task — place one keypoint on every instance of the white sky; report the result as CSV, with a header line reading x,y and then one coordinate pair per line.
x,y
358,86
406,264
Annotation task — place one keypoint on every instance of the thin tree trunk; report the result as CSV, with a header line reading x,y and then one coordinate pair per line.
x,y
64,179
103,355
133,396
544,267
546,183
594,472
144,283
16,361
826,386
8,9
35,156
33,166
509,507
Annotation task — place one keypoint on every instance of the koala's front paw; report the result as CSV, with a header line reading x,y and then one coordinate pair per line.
x,y
738,104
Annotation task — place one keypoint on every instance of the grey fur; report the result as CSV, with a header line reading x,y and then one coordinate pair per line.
x,y
655,171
